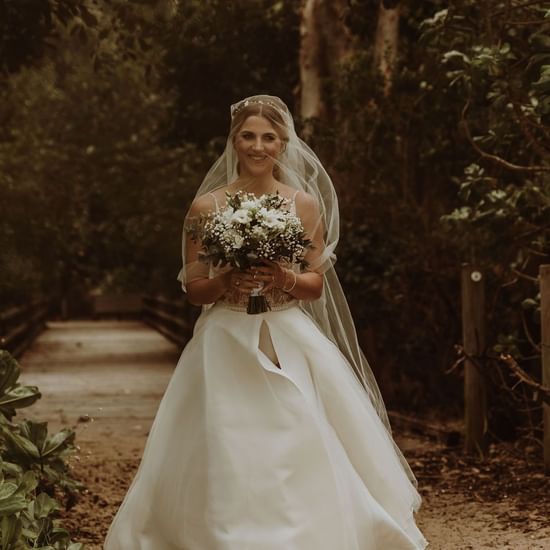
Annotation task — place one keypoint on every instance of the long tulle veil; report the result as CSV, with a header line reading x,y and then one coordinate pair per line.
x,y
300,168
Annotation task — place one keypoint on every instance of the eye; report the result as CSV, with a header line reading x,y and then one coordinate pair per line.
x,y
247,135
270,137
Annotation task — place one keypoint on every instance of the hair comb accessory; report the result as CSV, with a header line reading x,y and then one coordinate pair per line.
x,y
245,103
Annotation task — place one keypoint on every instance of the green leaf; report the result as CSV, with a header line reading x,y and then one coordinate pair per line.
x,y
7,489
37,432
19,445
44,505
19,397
9,371
28,483
13,504
11,529
58,442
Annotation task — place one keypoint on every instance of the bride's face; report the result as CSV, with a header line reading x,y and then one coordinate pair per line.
x,y
257,145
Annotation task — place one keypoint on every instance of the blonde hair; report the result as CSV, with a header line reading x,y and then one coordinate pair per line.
x,y
270,113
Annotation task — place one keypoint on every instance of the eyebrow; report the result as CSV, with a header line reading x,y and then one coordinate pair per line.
x,y
245,131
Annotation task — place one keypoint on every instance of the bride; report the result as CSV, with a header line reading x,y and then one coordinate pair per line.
x,y
272,433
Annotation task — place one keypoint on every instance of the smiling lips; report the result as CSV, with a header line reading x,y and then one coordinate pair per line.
x,y
257,158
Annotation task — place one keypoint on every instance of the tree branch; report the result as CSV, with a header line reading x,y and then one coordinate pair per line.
x,y
539,391
508,9
498,160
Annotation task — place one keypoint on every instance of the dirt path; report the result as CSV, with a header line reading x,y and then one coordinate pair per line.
x,y
105,379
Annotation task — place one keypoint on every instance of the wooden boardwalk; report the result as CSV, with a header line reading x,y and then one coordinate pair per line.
x,y
105,379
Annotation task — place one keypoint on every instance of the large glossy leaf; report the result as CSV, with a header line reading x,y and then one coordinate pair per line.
x,y
19,397
11,469
12,504
44,505
11,529
28,483
19,445
7,488
9,371
37,432
58,442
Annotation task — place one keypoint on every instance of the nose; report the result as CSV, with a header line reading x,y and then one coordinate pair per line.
x,y
257,145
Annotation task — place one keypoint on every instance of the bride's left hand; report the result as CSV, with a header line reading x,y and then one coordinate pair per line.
x,y
272,274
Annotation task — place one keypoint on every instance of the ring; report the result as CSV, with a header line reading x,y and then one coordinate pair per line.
x,y
254,276
237,283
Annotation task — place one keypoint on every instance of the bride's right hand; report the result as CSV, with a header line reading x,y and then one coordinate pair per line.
x,y
242,281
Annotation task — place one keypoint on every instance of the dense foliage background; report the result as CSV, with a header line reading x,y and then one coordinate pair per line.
x,y
111,113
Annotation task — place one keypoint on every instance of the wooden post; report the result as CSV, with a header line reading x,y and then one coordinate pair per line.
x,y
473,333
544,279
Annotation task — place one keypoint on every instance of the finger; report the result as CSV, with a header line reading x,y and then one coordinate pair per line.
x,y
262,269
268,286
269,262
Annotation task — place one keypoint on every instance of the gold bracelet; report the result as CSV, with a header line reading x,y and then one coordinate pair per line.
x,y
293,285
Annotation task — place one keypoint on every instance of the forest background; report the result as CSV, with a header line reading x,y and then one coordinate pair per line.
x,y
432,118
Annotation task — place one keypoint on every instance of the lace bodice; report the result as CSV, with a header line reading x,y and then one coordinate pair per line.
x,y
276,298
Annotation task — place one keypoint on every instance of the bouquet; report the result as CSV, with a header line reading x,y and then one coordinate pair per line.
x,y
247,230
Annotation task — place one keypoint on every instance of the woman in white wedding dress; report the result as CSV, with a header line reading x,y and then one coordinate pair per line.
x,y
272,433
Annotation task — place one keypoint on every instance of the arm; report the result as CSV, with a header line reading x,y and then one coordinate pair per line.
x,y
200,288
309,285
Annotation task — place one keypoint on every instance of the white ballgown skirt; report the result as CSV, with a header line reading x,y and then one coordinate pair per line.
x,y
244,455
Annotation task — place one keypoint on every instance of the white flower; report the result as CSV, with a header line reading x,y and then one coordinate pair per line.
x,y
249,204
259,231
271,218
240,216
238,241
227,213
233,238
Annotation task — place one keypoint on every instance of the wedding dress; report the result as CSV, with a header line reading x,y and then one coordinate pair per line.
x,y
265,438
262,442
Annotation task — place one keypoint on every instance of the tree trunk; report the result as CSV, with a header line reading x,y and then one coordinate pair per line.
x,y
166,8
311,104
386,43
326,43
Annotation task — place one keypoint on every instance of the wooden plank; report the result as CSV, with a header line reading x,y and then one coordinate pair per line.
x,y
544,279
473,332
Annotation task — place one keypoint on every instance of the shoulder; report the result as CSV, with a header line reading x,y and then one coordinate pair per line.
x,y
306,202
202,205
301,198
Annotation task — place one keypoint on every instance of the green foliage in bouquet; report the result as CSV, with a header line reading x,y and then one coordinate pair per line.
x,y
33,469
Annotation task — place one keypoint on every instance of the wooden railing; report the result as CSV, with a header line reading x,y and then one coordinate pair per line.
x,y
170,316
20,325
